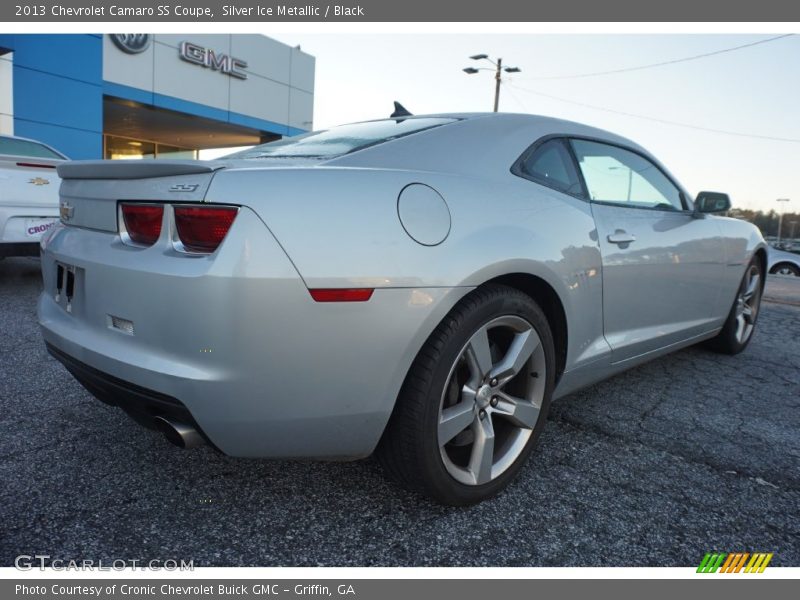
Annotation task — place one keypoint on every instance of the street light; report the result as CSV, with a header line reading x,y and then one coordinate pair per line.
x,y
630,178
498,74
780,220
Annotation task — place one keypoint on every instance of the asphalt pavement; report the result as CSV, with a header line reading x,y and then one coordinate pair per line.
x,y
689,454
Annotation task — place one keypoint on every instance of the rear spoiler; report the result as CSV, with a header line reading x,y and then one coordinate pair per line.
x,y
139,169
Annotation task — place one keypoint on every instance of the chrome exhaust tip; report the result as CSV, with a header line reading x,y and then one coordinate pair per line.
x,y
177,433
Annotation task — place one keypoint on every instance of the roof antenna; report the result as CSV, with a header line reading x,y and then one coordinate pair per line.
x,y
400,111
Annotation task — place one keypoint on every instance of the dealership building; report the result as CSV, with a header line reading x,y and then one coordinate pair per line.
x,y
152,96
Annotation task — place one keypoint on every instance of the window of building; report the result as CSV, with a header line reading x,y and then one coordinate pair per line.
x,y
121,148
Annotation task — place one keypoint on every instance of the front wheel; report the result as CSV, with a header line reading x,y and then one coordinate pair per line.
x,y
475,399
741,322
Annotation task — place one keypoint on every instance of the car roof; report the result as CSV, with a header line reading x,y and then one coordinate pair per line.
x,y
557,126
487,143
24,139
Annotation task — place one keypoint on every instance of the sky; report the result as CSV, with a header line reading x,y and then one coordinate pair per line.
x,y
754,90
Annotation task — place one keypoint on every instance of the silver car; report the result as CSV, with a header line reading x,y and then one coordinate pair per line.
x,y
422,287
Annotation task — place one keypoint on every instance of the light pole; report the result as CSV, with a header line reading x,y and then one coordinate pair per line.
x,y
780,220
630,178
498,74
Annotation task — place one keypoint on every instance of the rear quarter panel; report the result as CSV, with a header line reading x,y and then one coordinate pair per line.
x,y
340,228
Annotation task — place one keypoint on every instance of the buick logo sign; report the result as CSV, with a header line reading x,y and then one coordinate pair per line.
x,y
132,43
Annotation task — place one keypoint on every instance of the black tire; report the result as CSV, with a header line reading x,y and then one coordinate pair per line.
x,y
409,450
792,270
727,341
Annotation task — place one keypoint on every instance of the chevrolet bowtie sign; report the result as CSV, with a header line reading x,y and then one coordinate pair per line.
x,y
212,60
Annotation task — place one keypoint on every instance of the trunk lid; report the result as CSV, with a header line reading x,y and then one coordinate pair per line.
x,y
90,190
29,182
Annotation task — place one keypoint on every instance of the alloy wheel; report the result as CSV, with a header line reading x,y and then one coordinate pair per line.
x,y
747,304
492,400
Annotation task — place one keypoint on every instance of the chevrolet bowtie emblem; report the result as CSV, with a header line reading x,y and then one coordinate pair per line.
x,y
66,210
39,181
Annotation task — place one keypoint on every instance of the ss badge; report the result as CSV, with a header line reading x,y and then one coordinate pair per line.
x,y
184,187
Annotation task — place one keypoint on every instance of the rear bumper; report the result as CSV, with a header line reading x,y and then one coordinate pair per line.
x,y
19,249
139,403
24,224
234,343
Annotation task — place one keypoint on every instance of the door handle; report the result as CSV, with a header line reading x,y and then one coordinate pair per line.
x,y
621,237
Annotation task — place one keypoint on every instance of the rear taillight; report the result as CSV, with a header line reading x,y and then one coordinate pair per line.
x,y
202,228
143,222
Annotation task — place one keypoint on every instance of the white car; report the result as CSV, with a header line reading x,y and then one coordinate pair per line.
x,y
28,194
781,262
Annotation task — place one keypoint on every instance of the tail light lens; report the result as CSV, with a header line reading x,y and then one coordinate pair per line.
x,y
143,222
202,228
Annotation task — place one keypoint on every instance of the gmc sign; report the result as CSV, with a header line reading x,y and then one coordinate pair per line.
x,y
211,60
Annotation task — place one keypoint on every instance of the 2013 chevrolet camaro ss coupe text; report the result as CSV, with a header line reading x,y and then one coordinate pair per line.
x,y
421,287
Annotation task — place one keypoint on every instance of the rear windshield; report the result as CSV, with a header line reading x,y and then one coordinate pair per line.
x,y
341,140
15,147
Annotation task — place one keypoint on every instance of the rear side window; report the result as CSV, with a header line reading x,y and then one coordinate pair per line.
x,y
550,164
619,176
16,147
343,139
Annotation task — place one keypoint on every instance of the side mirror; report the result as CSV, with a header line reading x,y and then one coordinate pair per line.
x,y
712,202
